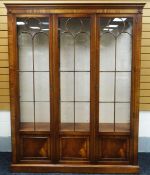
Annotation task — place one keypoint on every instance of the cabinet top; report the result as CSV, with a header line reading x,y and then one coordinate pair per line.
x,y
57,2
57,6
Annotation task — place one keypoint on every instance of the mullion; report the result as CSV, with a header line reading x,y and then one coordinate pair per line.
x,y
115,71
74,71
74,82
115,86
33,71
33,83
76,101
114,102
35,101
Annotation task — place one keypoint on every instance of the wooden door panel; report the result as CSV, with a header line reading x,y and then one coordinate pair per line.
x,y
113,148
35,148
74,148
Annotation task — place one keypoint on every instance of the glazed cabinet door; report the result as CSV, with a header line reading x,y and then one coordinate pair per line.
x,y
115,74
34,86
73,70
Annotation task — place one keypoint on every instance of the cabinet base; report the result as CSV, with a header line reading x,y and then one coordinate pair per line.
x,y
69,168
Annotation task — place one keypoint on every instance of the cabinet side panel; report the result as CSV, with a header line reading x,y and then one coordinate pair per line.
x,y
135,87
13,84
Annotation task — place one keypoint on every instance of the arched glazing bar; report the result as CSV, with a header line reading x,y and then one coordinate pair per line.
x,y
75,73
115,78
34,71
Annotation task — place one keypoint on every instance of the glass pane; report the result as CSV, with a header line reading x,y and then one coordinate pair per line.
x,y
82,116
67,86
27,115
74,73
82,86
41,52
42,86
124,52
66,52
67,116
33,44
123,86
26,86
106,86
25,48
106,117
107,52
42,115
82,52
42,112
122,116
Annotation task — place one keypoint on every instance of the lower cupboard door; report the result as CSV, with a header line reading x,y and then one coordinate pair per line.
x,y
113,148
35,148
74,148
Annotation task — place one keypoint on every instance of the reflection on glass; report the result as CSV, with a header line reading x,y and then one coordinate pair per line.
x,y
75,73
33,44
115,74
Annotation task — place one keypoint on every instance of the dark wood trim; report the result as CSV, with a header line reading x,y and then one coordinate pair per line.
x,y
14,86
51,78
74,7
81,4
71,15
92,88
69,168
31,15
122,15
132,89
77,11
137,28
56,92
97,79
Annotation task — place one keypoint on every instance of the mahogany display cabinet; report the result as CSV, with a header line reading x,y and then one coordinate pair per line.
x,y
74,86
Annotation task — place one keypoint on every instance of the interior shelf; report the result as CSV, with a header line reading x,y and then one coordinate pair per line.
x,y
31,126
103,127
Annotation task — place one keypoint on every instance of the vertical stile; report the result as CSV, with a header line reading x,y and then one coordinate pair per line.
x,y
94,56
51,80
14,85
137,27
97,84
56,92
